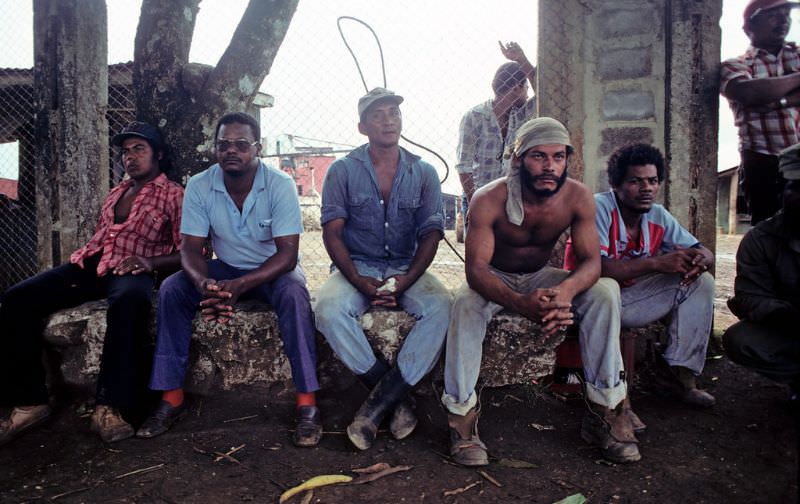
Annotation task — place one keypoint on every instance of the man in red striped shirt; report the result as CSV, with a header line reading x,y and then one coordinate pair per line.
x,y
763,88
137,236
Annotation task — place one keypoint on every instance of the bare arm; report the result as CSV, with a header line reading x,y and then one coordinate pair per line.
x,y
514,52
691,263
539,305
763,91
333,238
585,245
468,184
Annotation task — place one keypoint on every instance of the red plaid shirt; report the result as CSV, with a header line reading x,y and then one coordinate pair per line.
x,y
152,228
769,132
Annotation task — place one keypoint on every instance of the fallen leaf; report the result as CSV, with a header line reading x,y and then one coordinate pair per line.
x,y
577,498
605,462
381,472
380,466
315,482
541,427
516,464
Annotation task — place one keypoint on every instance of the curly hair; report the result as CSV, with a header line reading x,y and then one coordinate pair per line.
x,y
239,118
633,155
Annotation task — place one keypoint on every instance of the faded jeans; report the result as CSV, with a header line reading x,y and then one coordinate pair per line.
x,y
340,305
692,307
597,312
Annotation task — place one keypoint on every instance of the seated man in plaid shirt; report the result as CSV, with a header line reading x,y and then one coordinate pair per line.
x,y
138,235
763,88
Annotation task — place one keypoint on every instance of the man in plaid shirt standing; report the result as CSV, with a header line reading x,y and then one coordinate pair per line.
x,y
137,236
763,88
486,128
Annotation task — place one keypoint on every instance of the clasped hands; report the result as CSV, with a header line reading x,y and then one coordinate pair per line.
x,y
548,307
219,297
382,292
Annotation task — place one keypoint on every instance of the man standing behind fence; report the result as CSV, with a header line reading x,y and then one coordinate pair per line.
x,y
763,88
381,223
516,222
487,128
252,215
136,237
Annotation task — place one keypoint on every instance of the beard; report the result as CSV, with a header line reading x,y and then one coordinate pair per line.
x,y
529,181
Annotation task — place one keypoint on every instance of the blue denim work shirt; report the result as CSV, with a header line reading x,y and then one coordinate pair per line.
x,y
245,239
377,234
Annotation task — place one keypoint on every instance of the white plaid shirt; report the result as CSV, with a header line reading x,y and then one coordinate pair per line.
x,y
480,143
769,132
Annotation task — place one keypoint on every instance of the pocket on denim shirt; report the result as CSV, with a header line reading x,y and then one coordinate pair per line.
x,y
361,213
406,213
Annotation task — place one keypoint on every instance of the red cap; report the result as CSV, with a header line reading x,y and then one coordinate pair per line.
x,y
755,7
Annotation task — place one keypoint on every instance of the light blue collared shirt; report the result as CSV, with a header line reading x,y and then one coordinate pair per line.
x,y
377,234
243,239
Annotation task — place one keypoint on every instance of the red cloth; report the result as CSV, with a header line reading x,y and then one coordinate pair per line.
x,y
152,228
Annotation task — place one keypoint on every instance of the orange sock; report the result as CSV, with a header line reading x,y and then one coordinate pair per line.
x,y
173,397
306,399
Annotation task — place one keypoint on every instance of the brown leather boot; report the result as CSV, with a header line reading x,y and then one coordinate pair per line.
x,y
466,447
611,430
109,424
638,426
681,382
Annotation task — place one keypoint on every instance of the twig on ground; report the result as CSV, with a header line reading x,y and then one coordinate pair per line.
x,y
240,419
490,479
457,491
138,471
227,455
368,477
71,492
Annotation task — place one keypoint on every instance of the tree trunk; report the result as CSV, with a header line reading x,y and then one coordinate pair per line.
x,y
186,100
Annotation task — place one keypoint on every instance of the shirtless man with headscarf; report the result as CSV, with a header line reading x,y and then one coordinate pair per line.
x,y
514,224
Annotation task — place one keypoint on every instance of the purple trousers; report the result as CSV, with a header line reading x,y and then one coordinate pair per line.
x,y
178,302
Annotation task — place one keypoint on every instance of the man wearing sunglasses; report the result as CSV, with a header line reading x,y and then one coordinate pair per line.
x,y
763,88
137,236
252,215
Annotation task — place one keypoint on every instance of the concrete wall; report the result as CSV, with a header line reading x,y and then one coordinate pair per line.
x,y
624,71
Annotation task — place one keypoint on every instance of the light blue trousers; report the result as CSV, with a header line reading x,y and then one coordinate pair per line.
x,y
340,305
598,316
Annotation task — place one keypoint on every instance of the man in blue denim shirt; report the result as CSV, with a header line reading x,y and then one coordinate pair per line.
x,y
381,224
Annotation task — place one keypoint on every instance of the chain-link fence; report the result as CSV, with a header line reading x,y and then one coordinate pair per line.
x,y
441,67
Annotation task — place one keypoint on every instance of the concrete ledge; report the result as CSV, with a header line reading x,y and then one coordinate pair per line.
x,y
248,349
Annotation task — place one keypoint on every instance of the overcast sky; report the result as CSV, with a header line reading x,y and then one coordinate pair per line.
x,y
439,54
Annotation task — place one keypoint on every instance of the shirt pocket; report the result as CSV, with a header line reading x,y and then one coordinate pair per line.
x,y
361,214
151,225
406,214
264,230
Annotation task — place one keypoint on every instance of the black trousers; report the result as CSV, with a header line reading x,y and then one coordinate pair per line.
x,y
25,306
762,183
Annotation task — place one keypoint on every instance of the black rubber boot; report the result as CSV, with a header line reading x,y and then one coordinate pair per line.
x,y
383,398
403,421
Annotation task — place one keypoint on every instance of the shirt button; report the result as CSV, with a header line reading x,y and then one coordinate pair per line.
x,y
112,235
386,247
386,224
381,202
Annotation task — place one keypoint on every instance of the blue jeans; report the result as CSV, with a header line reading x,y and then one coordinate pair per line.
x,y
340,305
178,303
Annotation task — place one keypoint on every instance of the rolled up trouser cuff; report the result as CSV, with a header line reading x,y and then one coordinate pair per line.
x,y
608,397
459,408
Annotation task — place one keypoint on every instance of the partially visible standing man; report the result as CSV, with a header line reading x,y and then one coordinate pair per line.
x,y
381,223
763,88
767,289
252,214
487,128
137,236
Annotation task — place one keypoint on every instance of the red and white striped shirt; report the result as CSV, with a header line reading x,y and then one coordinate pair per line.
x,y
152,228
764,132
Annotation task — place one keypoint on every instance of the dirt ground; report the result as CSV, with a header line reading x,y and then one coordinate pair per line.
x,y
742,450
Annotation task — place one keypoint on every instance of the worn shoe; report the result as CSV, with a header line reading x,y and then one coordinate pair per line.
x,y
403,421
639,427
612,431
309,426
681,382
109,424
466,448
161,420
22,419
387,394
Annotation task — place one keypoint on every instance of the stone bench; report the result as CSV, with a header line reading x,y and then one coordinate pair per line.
x,y
248,348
